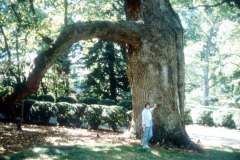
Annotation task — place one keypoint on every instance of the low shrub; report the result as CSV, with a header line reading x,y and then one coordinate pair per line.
x,y
70,114
63,113
67,99
27,116
47,98
42,111
223,118
93,114
126,104
76,114
202,116
236,119
114,116
32,96
89,100
4,92
187,116
107,102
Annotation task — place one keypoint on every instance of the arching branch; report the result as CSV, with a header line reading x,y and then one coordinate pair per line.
x,y
122,32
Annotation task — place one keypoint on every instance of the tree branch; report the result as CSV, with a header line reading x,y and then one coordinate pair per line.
x,y
209,6
6,44
123,32
235,64
32,7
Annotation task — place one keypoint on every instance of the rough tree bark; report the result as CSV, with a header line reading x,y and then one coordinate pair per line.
x,y
155,60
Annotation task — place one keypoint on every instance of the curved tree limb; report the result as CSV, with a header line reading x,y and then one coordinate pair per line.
x,y
122,32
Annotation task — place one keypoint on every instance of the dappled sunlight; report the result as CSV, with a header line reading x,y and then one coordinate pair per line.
x,y
99,141
156,153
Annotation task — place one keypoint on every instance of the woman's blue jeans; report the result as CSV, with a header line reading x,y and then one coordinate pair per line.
x,y
147,135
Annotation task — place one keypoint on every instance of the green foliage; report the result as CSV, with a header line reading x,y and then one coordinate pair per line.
x,y
32,96
114,116
126,104
66,99
202,116
236,119
47,98
27,114
187,116
224,118
69,113
76,114
42,111
93,114
107,64
63,109
89,100
107,102
5,91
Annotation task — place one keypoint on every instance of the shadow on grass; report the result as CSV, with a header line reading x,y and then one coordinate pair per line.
x,y
104,151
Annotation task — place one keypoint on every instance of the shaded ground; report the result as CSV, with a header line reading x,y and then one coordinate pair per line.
x,y
108,151
35,135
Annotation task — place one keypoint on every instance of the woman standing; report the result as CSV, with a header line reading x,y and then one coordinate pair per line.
x,y
147,124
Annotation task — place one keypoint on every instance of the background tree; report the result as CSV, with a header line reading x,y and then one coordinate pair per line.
x,y
107,77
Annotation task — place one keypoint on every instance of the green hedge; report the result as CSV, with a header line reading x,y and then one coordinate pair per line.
x,y
93,114
47,98
126,104
67,99
202,116
236,119
89,100
32,96
214,116
107,102
114,116
42,111
187,116
27,115
224,118
69,113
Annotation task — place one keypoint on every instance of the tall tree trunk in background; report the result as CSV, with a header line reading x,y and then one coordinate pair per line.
x,y
65,12
206,60
112,75
206,68
44,88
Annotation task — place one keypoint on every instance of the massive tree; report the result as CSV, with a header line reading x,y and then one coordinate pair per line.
x,y
153,36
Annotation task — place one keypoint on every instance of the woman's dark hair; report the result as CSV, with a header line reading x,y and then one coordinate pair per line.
x,y
147,103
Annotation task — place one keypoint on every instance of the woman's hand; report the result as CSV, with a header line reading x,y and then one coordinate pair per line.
x,y
155,105
144,127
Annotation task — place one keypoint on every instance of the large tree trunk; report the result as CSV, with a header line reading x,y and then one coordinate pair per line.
x,y
155,59
156,70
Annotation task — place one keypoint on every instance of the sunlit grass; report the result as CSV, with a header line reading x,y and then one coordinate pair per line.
x,y
105,151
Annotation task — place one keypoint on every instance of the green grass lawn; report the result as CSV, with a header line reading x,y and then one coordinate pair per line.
x,y
105,151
